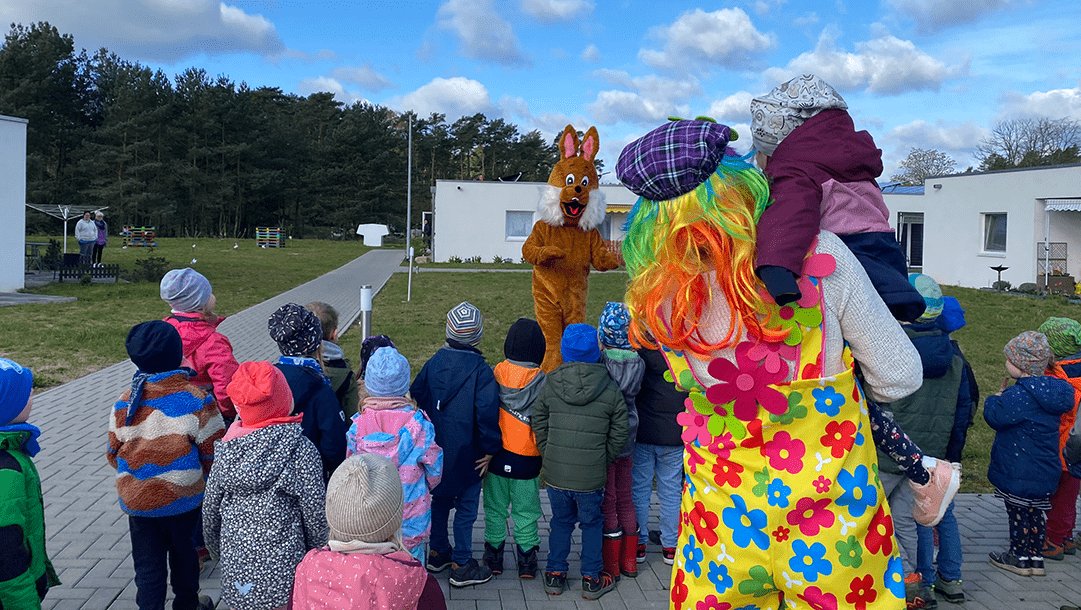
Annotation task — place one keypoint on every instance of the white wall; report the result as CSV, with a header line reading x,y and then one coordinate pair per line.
x,y
471,217
12,202
953,230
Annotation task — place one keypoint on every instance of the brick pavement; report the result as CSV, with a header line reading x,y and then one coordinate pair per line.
x,y
87,532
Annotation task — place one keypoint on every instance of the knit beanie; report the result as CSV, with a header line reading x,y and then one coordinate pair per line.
x,y
368,347
1029,352
525,342
387,373
185,290
364,500
931,293
614,323
155,347
260,393
16,383
580,344
952,317
1064,336
296,330
465,324
779,112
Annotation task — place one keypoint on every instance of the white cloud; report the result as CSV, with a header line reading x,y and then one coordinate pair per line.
x,y
455,97
364,76
557,10
698,39
958,140
321,83
153,30
806,20
934,15
883,66
591,54
735,107
1053,104
482,33
645,100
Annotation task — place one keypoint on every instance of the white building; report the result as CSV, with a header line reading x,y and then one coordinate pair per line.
x,y
12,203
965,224
489,219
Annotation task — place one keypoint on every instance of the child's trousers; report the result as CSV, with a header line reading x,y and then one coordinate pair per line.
x,y
522,496
164,548
618,506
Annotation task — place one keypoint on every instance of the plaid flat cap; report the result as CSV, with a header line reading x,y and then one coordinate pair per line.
x,y
673,159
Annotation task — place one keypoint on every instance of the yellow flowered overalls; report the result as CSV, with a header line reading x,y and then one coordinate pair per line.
x,y
782,505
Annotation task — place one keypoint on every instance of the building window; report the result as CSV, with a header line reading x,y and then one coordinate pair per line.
x,y
994,232
519,225
910,236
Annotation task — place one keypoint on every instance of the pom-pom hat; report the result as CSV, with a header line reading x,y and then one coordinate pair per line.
x,y
673,159
185,290
364,500
387,373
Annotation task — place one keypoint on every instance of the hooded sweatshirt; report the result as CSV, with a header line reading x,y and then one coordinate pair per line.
x,y
264,509
1025,417
580,421
627,369
209,354
519,387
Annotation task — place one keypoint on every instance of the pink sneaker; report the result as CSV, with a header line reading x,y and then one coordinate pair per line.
x,y
934,498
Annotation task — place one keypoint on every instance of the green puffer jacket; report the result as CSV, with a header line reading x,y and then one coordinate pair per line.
x,y
580,421
25,571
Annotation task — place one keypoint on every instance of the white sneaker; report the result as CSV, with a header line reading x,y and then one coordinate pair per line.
x,y
934,498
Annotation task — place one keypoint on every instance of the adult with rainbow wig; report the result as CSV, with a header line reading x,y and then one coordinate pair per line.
x,y
782,505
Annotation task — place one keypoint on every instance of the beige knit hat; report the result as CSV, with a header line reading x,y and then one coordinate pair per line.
x,y
364,500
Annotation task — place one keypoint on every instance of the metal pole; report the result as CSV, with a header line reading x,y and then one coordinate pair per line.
x,y
409,284
366,311
409,194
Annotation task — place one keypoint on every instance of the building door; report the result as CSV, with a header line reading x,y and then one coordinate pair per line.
x,y
910,236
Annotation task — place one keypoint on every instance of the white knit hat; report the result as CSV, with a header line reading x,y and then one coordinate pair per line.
x,y
364,500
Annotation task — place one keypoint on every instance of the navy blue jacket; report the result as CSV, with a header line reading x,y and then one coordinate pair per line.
x,y
324,422
458,392
658,403
968,396
1024,457
885,264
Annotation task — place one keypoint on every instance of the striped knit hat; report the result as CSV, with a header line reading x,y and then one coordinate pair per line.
x,y
365,500
1064,336
465,324
931,293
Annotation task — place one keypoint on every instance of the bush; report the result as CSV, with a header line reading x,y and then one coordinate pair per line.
x,y
1028,288
149,269
1001,285
454,259
86,280
53,255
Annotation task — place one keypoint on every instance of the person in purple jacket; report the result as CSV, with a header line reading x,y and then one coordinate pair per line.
x,y
822,176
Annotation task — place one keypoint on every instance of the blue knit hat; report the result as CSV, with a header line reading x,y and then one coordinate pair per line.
x,y
613,325
387,374
16,383
185,290
952,317
580,344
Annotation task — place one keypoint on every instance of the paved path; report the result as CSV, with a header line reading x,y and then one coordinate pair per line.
x,y
88,534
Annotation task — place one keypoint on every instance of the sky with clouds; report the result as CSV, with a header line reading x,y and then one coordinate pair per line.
x,y
915,73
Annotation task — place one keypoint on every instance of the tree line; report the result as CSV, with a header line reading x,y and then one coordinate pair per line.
x,y
196,155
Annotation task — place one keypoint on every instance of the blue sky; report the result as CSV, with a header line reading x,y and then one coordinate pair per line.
x,y
915,73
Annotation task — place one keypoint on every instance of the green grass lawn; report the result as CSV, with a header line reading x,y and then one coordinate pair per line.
x,y
64,341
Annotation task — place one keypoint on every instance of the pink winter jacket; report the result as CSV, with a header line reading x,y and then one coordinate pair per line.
x,y
209,353
328,580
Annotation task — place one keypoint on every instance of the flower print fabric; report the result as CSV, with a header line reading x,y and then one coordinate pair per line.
x,y
777,476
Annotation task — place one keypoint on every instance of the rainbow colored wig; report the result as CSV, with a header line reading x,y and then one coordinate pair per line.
x,y
672,246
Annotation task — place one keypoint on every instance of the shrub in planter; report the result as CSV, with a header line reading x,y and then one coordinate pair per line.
x,y
1001,285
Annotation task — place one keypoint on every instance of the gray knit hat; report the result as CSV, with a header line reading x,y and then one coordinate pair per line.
x,y
364,500
779,112
465,324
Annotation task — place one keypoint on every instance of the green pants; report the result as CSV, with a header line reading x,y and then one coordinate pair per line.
x,y
523,498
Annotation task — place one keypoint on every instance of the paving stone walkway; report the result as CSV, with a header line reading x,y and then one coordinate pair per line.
x,y
88,534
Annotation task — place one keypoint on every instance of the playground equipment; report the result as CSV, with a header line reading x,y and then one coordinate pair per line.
x,y
140,236
269,237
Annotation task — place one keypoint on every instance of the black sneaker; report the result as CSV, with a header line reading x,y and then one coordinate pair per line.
x,y
472,573
437,562
1037,566
527,563
555,582
493,557
594,588
205,603
1011,563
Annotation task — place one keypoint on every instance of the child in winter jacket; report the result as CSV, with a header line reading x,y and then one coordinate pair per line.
x,y
513,480
161,442
299,336
1024,457
206,351
627,368
365,566
580,421
390,426
27,571
457,391
335,364
264,505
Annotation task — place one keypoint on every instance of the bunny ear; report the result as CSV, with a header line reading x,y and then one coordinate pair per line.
x,y
568,143
590,144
